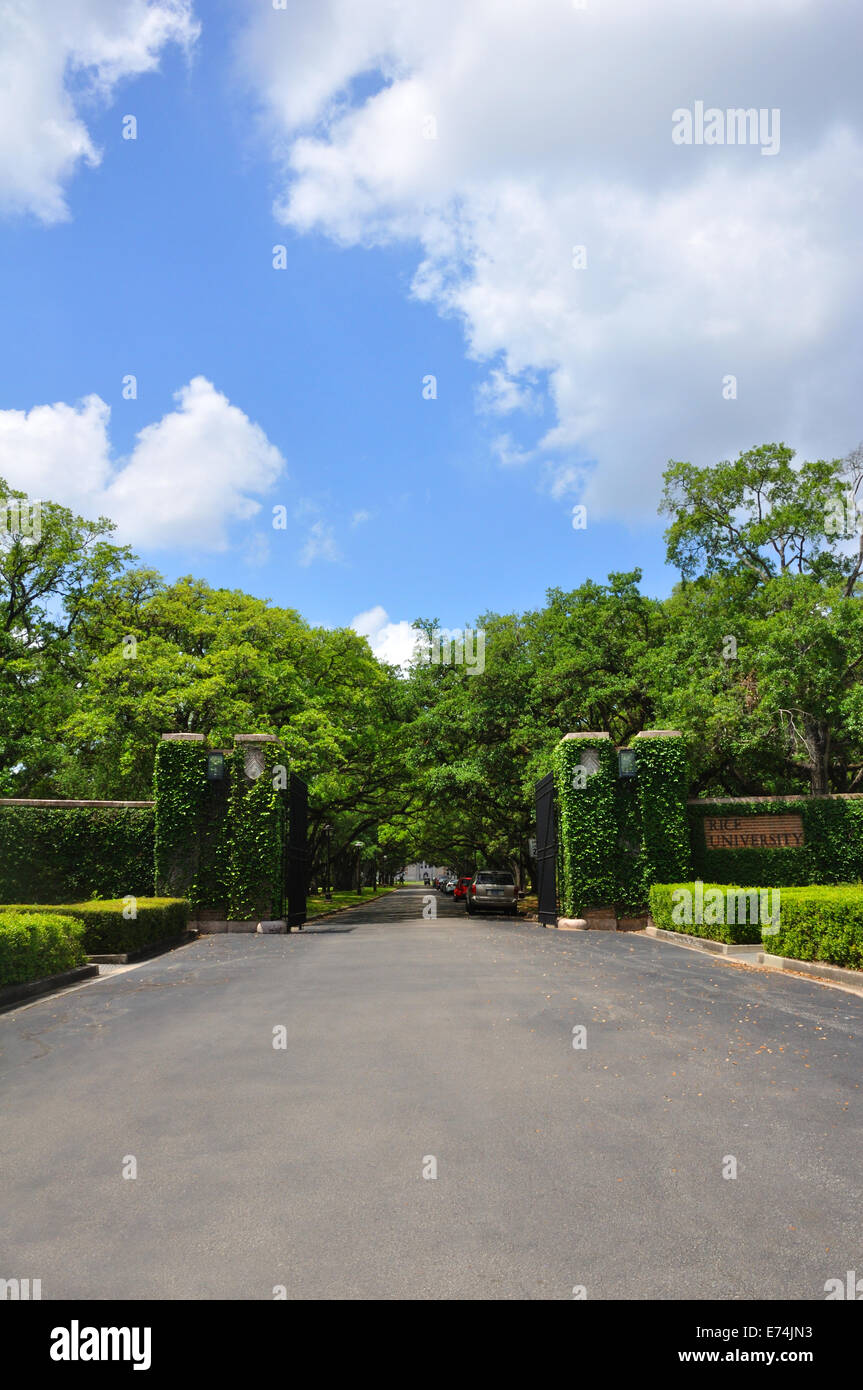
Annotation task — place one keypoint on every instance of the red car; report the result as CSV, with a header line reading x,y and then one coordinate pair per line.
x,y
460,890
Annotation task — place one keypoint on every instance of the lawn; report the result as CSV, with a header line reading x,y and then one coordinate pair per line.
x,y
316,903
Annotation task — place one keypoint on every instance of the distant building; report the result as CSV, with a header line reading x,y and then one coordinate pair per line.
x,y
418,871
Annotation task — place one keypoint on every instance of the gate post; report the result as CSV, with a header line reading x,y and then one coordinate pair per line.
x,y
257,828
180,793
585,773
546,852
663,786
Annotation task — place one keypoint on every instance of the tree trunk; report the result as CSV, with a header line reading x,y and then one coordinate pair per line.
x,y
817,738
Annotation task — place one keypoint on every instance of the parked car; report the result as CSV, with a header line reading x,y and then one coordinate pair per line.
x,y
459,893
449,886
492,888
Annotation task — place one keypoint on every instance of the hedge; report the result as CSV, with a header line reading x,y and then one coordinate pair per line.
x,y
105,930
821,924
832,851
54,855
816,923
662,903
36,944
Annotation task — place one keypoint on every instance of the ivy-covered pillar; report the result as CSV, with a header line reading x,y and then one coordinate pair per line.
x,y
258,812
179,791
585,774
220,829
662,786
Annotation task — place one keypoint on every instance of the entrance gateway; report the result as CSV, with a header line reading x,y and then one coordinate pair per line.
x,y
231,832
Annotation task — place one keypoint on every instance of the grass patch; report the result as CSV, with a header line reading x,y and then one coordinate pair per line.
x,y
316,903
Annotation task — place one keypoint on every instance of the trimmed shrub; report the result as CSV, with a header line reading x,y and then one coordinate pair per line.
x,y
105,931
53,855
36,944
821,924
662,902
817,923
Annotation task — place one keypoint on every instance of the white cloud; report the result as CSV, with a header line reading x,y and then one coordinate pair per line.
x,y
320,544
188,477
359,518
394,643
507,452
553,129
56,61
501,394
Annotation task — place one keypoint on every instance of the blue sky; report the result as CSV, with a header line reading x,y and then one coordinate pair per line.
x,y
162,267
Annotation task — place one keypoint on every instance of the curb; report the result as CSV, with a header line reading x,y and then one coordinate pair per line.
x,y
754,954
837,974
156,949
49,984
744,950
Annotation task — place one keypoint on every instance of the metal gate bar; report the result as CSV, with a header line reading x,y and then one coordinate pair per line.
x,y
296,852
546,851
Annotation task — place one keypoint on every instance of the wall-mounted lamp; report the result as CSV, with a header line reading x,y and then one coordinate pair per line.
x,y
215,767
626,763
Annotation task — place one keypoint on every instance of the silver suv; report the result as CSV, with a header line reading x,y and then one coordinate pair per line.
x,y
491,888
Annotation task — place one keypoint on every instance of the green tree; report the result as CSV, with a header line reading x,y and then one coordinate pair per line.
x,y
49,583
767,578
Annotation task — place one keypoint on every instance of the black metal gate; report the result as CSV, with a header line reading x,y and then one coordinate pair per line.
x,y
546,851
296,852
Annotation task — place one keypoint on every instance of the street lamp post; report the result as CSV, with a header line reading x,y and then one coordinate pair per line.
x,y
359,847
328,897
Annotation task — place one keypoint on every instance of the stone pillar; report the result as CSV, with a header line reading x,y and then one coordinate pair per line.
x,y
585,774
258,822
254,758
663,786
179,787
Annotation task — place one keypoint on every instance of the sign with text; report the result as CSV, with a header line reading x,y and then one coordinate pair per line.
x,y
753,832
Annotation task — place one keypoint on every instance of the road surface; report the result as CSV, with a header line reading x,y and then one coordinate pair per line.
x,y
410,1040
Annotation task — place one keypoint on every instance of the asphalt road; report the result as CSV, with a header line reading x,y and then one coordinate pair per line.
x,y
409,1039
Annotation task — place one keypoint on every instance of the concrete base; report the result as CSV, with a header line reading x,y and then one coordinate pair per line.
x,y
755,954
277,928
32,989
571,924
632,923
817,969
742,950
212,927
156,949
600,919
